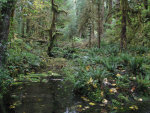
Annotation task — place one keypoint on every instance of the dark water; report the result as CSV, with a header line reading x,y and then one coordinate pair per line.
x,y
51,97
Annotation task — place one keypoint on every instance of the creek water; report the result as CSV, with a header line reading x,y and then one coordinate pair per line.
x,y
52,97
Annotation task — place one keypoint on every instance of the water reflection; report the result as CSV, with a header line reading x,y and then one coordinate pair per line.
x,y
52,97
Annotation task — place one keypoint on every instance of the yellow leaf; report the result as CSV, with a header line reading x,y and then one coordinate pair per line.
x,y
91,103
94,85
134,107
104,101
87,68
79,106
115,108
113,90
85,99
118,75
102,93
113,84
140,99
11,106
86,107
90,81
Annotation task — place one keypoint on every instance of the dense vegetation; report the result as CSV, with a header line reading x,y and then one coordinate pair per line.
x,y
101,46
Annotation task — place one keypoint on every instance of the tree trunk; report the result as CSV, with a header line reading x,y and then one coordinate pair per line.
x,y
91,23
22,28
52,29
5,15
28,27
90,33
99,26
110,14
100,21
123,42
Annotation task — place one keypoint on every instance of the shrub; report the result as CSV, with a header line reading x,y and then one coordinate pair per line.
x,y
135,65
5,80
143,84
20,60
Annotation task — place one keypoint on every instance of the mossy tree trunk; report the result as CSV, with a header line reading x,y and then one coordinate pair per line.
x,y
52,30
6,12
100,12
124,8
110,10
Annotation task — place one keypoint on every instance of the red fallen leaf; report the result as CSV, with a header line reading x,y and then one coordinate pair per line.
x,y
133,89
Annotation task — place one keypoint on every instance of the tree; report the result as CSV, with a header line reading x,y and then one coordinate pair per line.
x,y
6,12
110,11
100,21
124,13
53,32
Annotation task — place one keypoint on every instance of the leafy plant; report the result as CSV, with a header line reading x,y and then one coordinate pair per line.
x,y
135,65
5,80
143,83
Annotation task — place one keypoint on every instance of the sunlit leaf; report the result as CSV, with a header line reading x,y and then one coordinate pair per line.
x,y
104,101
91,103
85,99
90,80
11,106
134,107
113,90
118,75
79,106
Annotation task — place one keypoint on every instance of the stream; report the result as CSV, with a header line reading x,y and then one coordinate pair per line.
x,y
54,96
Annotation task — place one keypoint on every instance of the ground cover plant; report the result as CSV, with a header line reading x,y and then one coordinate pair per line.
x,y
110,77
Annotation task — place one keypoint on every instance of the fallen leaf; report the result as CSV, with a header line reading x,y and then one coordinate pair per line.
x,y
91,103
118,75
134,107
87,68
79,106
104,101
85,99
113,90
86,107
90,80
133,89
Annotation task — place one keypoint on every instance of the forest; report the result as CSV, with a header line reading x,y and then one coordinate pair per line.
x,y
74,56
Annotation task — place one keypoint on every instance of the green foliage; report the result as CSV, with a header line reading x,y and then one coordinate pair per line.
x,y
135,65
143,83
20,60
68,53
109,73
5,80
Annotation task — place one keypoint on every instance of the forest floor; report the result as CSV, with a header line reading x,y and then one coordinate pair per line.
x,y
105,77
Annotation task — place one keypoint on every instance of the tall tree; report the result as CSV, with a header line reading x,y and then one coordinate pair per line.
x,y
53,32
100,21
91,21
124,13
6,12
110,11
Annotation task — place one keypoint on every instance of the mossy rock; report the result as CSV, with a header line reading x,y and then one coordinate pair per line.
x,y
17,83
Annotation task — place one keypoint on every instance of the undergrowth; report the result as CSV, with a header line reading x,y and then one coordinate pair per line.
x,y
112,75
